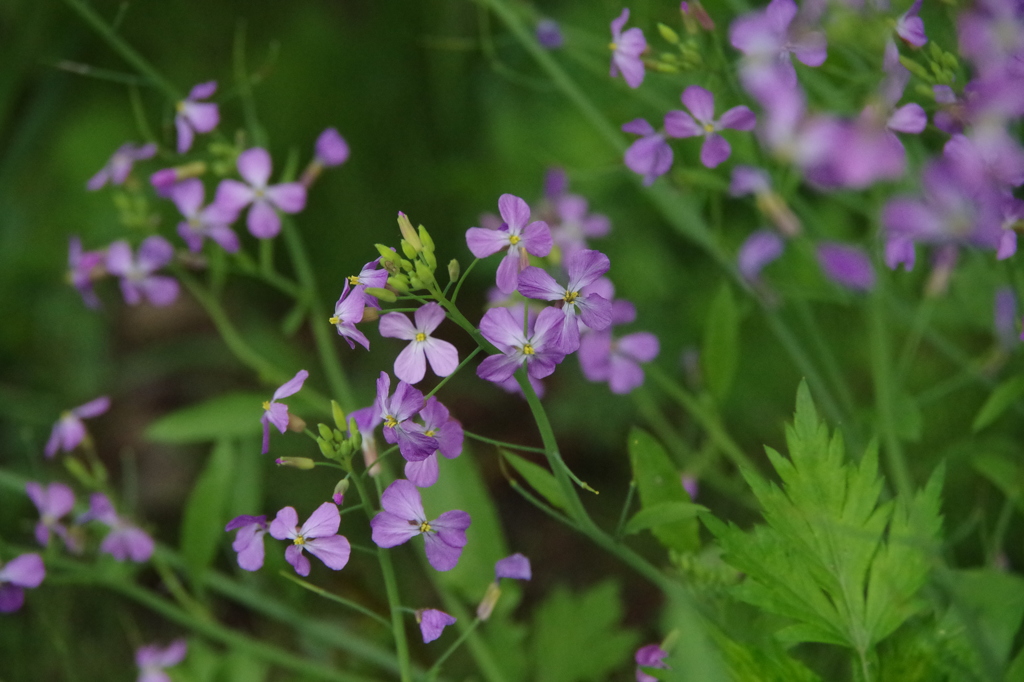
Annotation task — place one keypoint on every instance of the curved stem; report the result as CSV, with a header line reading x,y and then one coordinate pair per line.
x,y
335,598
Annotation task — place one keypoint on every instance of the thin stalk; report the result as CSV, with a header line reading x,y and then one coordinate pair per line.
x,y
462,364
501,443
335,598
882,375
921,319
625,509
435,669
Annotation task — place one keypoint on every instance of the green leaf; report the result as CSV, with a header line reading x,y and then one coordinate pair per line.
x,y
660,514
226,416
987,606
749,663
202,523
720,354
539,478
658,483
576,637
1001,398
1003,473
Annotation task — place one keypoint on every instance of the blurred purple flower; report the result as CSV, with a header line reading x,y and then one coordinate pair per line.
x,y
396,411
626,49
277,413
539,348
650,156
403,518
330,150
549,34
846,265
53,502
136,273
432,623
1005,317
650,656
83,268
760,248
411,363
617,361
1012,210
910,28
318,535
516,567
520,238
120,165
437,424
20,572
348,311
767,38
701,104
212,221
194,116
69,430
125,540
248,540
152,659
690,485
254,165
575,224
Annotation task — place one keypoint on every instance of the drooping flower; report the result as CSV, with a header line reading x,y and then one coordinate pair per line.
x,y
411,363
194,116
846,265
584,268
760,248
20,572
277,413
539,348
701,104
650,156
910,27
136,273
248,540
396,411
83,268
516,567
617,361
331,150
125,540
403,518
626,49
518,235
53,502
438,424
650,656
153,659
347,312
318,535
254,166
212,221
767,38
549,34
432,623
69,430
120,164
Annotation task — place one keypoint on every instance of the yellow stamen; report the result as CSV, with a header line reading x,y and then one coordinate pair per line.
x,y
431,433
299,540
390,421
514,239
425,527
353,280
709,128
571,296
334,320
421,337
613,46
266,404
528,350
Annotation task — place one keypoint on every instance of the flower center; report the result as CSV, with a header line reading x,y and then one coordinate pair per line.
x,y
334,320
528,350
266,404
514,239
570,297
425,527
430,433
354,280
709,127
421,337
299,540
390,421
613,46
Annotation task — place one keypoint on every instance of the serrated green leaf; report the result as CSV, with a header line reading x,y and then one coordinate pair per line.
x,y
720,352
661,514
658,482
202,523
988,606
1001,398
539,478
577,637
749,663
231,415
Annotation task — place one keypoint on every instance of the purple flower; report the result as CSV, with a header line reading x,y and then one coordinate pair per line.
x,y
53,502
277,413
520,238
120,164
766,38
1005,317
437,424
516,567
83,268
549,35
584,268
348,311
910,28
432,623
125,540
411,363
403,518
255,167
748,180
846,265
152,659
690,484
650,156
759,249
539,348
575,224
20,572
212,221
69,430
248,540
1013,218
617,361
396,411
318,535
701,104
650,656
331,148
194,116
136,273
626,50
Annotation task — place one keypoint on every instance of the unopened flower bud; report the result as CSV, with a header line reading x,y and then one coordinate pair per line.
x,y
408,249
491,596
408,233
338,414
295,423
370,314
668,34
326,448
454,270
430,259
381,295
399,283
425,239
387,254
339,491
325,431
424,273
304,463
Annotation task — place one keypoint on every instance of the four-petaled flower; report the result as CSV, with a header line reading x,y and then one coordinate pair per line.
x,y
617,361
136,273
584,268
539,348
650,656
318,535
348,311
403,518
432,623
53,502
120,164
626,50
767,39
438,424
125,540
20,572
248,540
194,116
396,411
650,156
520,238
255,167
277,413
411,363
152,660
701,104
69,430
212,221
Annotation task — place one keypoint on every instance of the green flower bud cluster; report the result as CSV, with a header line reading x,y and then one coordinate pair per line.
x,y
333,443
133,208
687,57
942,67
416,270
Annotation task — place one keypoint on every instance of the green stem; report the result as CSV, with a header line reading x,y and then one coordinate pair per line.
x,y
625,509
476,351
436,668
335,598
882,375
501,443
